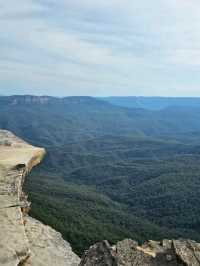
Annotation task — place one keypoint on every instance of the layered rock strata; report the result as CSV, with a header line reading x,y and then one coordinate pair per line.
x,y
23,240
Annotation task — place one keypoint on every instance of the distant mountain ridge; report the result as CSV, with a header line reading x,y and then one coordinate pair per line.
x,y
45,100
134,102
60,120
153,103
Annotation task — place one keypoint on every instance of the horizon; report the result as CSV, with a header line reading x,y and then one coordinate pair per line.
x,y
100,48
111,96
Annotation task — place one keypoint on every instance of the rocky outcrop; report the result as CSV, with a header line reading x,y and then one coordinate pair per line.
x,y
23,240
152,253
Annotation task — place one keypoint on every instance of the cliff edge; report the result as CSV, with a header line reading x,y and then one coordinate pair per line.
x,y
24,240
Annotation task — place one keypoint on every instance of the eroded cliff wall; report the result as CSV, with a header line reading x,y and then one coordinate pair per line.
x,y
24,240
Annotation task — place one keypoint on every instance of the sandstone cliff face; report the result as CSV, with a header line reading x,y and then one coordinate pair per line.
x,y
23,240
152,253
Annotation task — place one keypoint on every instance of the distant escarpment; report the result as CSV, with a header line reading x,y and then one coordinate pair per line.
x,y
24,240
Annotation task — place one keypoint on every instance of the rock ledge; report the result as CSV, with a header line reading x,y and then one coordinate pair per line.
x,y
23,240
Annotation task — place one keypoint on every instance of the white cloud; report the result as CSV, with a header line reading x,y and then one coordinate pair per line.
x,y
97,46
9,8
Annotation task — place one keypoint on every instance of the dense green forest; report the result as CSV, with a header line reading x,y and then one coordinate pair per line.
x,y
111,172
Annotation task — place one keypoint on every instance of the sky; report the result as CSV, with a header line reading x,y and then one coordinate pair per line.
x,y
100,47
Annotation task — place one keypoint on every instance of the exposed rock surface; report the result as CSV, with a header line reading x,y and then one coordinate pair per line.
x,y
47,246
152,253
23,240
100,254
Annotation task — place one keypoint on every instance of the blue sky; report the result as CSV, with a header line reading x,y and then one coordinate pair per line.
x,y
100,48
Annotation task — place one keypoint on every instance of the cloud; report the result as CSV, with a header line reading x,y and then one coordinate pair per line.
x,y
100,47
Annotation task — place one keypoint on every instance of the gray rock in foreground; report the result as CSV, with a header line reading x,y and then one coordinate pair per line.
x,y
152,253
